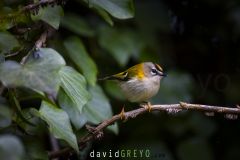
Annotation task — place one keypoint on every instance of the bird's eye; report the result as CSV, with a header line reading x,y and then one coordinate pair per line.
x,y
153,71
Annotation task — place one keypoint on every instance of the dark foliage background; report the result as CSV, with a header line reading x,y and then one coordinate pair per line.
x,y
198,45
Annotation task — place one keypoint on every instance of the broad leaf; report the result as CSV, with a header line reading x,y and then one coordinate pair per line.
x,y
73,95
80,57
59,123
35,125
99,108
40,71
51,15
121,9
11,148
104,15
19,113
77,25
7,43
78,119
121,44
10,18
74,85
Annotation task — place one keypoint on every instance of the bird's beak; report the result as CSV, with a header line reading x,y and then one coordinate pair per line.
x,y
162,74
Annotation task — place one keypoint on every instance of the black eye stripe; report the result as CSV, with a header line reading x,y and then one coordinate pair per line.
x,y
153,70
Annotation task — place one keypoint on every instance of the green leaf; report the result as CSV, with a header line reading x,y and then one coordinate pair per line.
x,y
5,114
6,20
17,107
11,148
121,44
7,43
24,94
59,123
40,71
73,95
35,125
99,108
74,84
10,18
121,9
51,15
104,15
77,118
80,57
77,25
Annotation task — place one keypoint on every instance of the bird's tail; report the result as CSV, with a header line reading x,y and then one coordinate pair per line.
x,y
106,78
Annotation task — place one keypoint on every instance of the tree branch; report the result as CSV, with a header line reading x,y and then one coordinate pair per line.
x,y
230,113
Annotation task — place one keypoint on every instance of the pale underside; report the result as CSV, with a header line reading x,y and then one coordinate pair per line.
x,y
140,90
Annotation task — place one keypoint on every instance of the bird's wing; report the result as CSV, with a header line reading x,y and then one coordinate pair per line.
x,y
123,76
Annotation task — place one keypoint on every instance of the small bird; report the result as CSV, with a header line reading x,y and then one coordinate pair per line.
x,y
139,83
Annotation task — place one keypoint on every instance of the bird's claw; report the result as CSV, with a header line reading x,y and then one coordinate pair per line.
x,y
147,106
122,114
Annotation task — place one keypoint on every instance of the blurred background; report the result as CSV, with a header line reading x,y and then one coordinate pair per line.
x,y
197,43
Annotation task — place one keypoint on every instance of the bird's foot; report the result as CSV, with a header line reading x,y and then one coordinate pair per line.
x,y
147,106
122,114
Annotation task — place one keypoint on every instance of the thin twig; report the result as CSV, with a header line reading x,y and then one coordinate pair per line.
x,y
12,54
42,40
39,43
170,108
54,144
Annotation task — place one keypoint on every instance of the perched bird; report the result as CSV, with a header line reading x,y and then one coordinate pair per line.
x,y
140,82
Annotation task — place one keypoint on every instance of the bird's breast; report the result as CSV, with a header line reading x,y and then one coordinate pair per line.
x,y
140,90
